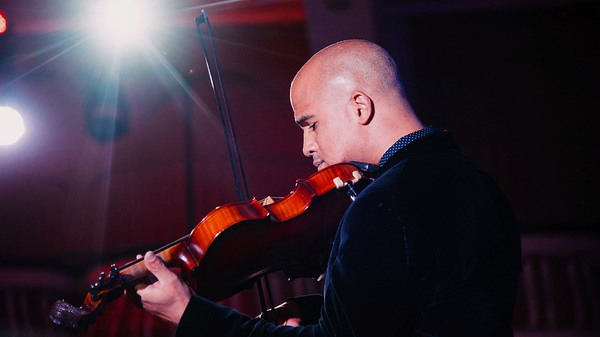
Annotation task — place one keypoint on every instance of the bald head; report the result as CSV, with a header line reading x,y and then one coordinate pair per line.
x,y
353,65
349,97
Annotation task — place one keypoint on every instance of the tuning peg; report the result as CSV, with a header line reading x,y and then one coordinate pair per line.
x,y
101,279
114,271
97,287
94,291
113,276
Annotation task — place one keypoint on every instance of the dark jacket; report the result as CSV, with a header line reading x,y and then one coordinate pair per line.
x,y
430,248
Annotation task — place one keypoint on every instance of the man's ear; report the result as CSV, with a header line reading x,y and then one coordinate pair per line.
x,y
361,106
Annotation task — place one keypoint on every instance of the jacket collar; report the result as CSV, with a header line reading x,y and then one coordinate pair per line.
x,y
431,143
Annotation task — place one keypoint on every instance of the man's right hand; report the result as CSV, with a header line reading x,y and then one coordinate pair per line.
x,y
288,313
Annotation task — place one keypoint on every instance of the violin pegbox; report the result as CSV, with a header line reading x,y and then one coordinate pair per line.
x,y
104,291
103,284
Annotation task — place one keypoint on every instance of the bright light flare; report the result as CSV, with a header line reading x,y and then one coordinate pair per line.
x,y
11,125
120,20
3,23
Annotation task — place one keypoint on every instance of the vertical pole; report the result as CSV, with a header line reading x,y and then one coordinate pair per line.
x,y
189,163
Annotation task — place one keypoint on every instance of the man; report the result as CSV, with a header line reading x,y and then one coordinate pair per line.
x,y
430,248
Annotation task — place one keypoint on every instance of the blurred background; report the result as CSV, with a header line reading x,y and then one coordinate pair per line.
x,y
123,149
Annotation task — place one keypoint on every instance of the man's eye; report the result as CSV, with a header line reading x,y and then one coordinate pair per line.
x,y
312,126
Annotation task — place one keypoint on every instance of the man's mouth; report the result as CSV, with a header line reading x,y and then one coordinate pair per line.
x,y
319,164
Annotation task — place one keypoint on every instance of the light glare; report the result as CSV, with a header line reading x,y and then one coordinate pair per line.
x,y
11,125
3,23
120,20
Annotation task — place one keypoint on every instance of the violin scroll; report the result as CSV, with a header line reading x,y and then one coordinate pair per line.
x,y
64,314
102,292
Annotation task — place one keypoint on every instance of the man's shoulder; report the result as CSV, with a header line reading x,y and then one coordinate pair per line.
x,y
429,145
429,160
432,165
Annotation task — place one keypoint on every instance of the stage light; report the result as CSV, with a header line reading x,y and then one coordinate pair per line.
x,y
120,20
11,125
3,23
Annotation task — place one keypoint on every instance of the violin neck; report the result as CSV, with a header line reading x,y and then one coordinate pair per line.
x,y
174,255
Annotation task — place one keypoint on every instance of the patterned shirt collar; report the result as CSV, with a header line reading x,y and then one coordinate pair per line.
x,y
405,140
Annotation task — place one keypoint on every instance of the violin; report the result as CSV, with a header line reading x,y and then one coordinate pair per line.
x,y
237,243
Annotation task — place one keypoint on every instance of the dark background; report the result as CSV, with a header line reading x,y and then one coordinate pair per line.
x,y
518,88
514,81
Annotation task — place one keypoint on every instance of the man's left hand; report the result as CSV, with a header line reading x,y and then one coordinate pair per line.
x,y
166,298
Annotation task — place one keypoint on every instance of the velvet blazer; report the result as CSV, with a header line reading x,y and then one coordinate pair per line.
x,y
430,248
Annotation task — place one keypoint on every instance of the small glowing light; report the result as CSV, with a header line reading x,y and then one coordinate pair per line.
x,y
3,23
11,125
120,20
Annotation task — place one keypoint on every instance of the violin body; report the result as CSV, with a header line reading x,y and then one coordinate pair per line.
x,y
293,234
235,244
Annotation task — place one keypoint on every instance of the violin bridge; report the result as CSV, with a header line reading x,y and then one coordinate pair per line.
x,y
267,201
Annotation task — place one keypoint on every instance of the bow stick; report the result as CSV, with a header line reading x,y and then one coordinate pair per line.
x,y
234,154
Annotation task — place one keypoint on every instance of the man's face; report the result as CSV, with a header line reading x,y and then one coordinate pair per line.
x,y
325,123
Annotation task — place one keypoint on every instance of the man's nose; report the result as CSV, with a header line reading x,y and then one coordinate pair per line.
x,y
309,145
